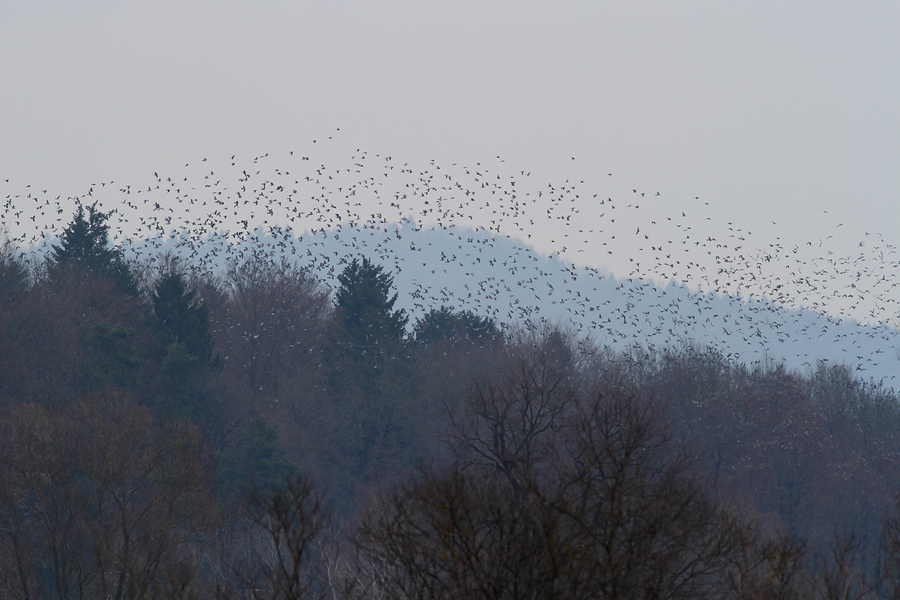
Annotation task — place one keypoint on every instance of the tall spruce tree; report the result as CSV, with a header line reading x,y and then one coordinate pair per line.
x,y
182,316
364,308
371,376
186,344
85,242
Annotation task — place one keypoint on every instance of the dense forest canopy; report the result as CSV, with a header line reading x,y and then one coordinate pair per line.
x,y
172,431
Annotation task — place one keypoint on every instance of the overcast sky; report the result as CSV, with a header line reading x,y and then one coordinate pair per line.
x,y
769,111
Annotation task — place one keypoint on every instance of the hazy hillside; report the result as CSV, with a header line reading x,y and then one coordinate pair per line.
x,y
503,278
451,234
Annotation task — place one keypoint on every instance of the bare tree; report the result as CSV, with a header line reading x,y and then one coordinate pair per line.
x,y
287,522
513,417
43,550
100,500
271,323
634,506
841,575
458,534
556,493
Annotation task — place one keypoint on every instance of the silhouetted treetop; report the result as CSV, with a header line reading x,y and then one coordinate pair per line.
x,y
85,239
365,306
13,272
85,242
183,317
446,324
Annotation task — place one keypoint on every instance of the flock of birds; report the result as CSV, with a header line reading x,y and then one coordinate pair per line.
x,y
630,268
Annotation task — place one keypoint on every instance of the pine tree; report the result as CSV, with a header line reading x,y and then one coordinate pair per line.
x,y
85,242
186,346
257,461
371,377
447,324
183,318
370,327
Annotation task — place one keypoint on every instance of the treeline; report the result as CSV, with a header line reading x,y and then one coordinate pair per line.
x,y
170,433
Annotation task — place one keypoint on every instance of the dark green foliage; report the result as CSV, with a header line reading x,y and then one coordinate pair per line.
x,y
73,332
183,318
182,323
256,461
371,365
85,242
371,384
14,286
182,386
13,274
365,311
112,360
446,324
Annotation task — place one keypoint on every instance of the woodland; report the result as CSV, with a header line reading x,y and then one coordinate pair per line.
x,y
170,432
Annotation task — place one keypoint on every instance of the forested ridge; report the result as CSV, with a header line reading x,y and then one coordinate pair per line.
x,y
171,432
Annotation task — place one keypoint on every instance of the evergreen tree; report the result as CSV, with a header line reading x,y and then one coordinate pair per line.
x,y
371,377
187,345
112,360
183,318
370,327
447,324
257,461
85,242
14,278
14,286
85,239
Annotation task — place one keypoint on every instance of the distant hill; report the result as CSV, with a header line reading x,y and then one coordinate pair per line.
x,y
444,232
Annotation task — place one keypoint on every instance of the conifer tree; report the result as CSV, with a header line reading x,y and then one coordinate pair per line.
x,y
446,324
85,242
183,317
371,375
365,311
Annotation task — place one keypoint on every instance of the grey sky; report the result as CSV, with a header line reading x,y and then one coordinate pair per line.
x,y
769,111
